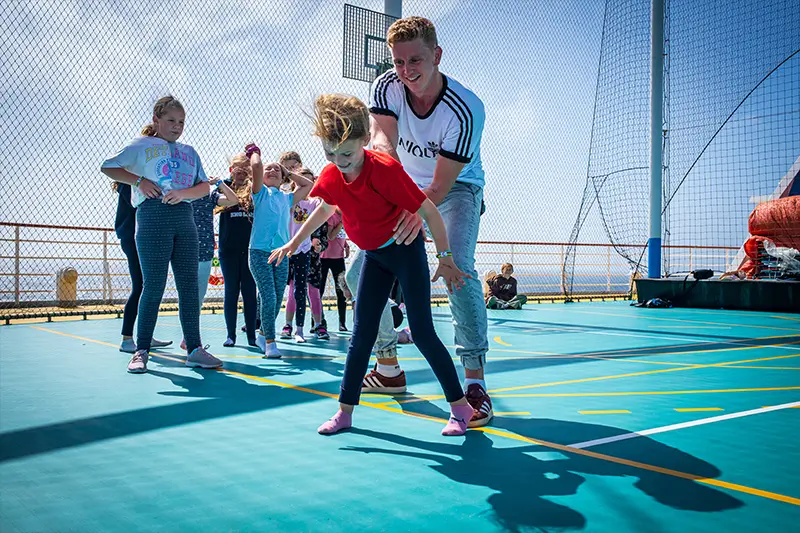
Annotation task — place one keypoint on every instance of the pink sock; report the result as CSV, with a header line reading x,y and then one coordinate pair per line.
x,y
459,418
338,422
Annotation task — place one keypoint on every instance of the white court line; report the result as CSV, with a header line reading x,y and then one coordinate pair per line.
x,y
673,427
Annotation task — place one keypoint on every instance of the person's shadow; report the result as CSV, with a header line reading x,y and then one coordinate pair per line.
x,y
523,482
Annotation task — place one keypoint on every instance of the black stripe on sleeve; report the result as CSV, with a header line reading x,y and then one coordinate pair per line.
x,y
379,96
462,111
455,157
382,111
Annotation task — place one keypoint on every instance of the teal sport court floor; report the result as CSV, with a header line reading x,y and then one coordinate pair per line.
x,y
608,419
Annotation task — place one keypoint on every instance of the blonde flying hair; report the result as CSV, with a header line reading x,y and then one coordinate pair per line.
x,y
161,107
340,117
411,28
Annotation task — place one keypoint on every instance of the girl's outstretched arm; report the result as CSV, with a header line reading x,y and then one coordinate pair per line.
x,y
320,215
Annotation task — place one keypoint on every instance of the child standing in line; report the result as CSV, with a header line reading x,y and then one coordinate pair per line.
x,y
203,209
305,272
333,261
271,210
371,189
166,176
125,228
235,226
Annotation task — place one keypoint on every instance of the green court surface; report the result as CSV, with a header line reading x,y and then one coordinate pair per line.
x,y
608,418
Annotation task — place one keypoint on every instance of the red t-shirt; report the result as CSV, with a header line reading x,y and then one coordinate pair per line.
x,y
372,203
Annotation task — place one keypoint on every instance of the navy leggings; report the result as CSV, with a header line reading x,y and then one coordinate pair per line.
x,y
166,234
132,305
298,275
237,276
409,264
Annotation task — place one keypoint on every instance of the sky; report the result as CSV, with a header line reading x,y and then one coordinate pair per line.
x,y
83,77
80,77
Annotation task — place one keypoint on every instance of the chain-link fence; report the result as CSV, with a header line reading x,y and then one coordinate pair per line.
x,y
731,134
80,78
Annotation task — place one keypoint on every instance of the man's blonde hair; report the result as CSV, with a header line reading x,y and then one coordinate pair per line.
x,y
411,28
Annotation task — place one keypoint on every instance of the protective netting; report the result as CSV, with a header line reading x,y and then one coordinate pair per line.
x,y
80,77
732,129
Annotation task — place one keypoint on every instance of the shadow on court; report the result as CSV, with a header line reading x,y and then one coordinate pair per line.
x,y
523,482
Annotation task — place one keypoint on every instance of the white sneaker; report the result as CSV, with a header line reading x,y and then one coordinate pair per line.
x,y
271,351
298,338
261,342
200,357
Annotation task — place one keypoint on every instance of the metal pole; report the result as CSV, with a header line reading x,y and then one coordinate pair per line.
x,y
393,8
656,127
16,266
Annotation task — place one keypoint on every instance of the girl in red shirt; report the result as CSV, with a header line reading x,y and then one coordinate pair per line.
x,y
371,190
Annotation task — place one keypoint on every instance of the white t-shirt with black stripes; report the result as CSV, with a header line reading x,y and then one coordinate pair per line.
x,y
452,128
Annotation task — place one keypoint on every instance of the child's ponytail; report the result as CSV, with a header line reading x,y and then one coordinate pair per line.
x,y
149,130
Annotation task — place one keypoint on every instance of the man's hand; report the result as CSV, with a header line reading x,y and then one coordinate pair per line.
x,y
407,227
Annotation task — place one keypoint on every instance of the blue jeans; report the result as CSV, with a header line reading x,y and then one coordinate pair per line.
x,y
461,211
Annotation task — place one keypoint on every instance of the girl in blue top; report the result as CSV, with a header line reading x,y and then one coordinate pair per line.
x,y
271,209
165,176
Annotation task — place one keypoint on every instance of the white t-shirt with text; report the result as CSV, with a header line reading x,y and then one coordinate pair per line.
x,y
171,166
453,128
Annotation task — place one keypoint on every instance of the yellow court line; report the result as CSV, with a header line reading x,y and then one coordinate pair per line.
x,y
632,393
615,376
684,320
697,409
633,374
692,327
765,367
795,407
498,340
786,317
512,413
506,434
646,350
605,412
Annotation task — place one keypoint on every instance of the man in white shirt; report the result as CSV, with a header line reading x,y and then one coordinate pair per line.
x,y
433,125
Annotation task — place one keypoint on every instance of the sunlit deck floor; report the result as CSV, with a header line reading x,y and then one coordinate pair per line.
x,y
607,418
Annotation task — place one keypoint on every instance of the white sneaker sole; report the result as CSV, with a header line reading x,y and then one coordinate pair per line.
x,y
383,390
481,422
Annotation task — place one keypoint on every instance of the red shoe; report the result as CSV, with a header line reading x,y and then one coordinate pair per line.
x,y
481,405
379,384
